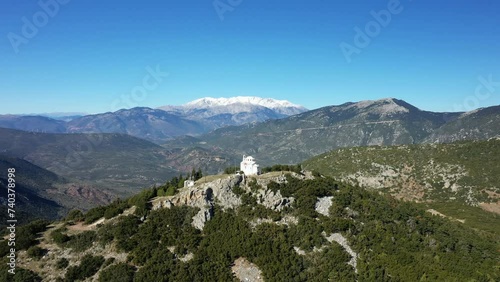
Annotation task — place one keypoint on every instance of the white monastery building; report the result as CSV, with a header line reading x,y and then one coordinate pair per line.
x,y
249,166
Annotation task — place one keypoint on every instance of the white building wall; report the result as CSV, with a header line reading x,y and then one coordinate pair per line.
x,y
249,166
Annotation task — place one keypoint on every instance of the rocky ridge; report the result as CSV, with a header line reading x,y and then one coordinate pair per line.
x,y
220,191
203,196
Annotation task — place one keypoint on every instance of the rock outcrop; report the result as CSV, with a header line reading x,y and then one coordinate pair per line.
x,y
341,240
272,200
246,271
204,196
323,205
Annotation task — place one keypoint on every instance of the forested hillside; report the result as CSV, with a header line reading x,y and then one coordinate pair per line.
x,y
465,172
458,180
273,227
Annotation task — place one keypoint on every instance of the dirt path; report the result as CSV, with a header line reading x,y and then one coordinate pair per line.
x,y
435,212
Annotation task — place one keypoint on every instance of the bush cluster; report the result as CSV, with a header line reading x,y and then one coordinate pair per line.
x,y
87,267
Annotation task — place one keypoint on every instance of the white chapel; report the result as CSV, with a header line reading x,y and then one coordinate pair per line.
x,y
249,166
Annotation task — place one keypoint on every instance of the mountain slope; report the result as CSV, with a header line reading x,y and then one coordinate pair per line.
x,y
32,123
32,183
117,162
274,227
465,172
146,123
479,124
43,194
296,138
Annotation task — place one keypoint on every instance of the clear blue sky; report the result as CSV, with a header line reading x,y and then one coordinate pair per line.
x,y
90,54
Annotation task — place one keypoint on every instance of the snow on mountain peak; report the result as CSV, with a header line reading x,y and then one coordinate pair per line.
x,y
235,111
264,102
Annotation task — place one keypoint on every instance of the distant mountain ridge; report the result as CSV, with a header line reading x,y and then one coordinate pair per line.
x,y
32,123
146,123
158,125
380,122
278,139
280,106
480,124
220,112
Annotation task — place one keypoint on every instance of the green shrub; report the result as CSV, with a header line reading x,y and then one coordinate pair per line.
x,y
22,275
58,237
26,235
94,214
4,248
141,201
279,167
88,267
171,191
231,169
238,190
75,215
62,263
120,272
108,262
36,252
115,208
121,231
81,242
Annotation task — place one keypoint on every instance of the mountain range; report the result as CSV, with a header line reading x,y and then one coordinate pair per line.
x,y
381,122
159,125
120,164
219,112
299,226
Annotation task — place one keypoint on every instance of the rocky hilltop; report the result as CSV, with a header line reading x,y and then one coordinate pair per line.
x,y
272,227
204,195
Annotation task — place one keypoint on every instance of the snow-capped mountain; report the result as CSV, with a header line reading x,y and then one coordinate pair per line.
x,y
218,112
281,106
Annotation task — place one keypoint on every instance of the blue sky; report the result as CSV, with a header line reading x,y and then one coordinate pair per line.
x,y
94,56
